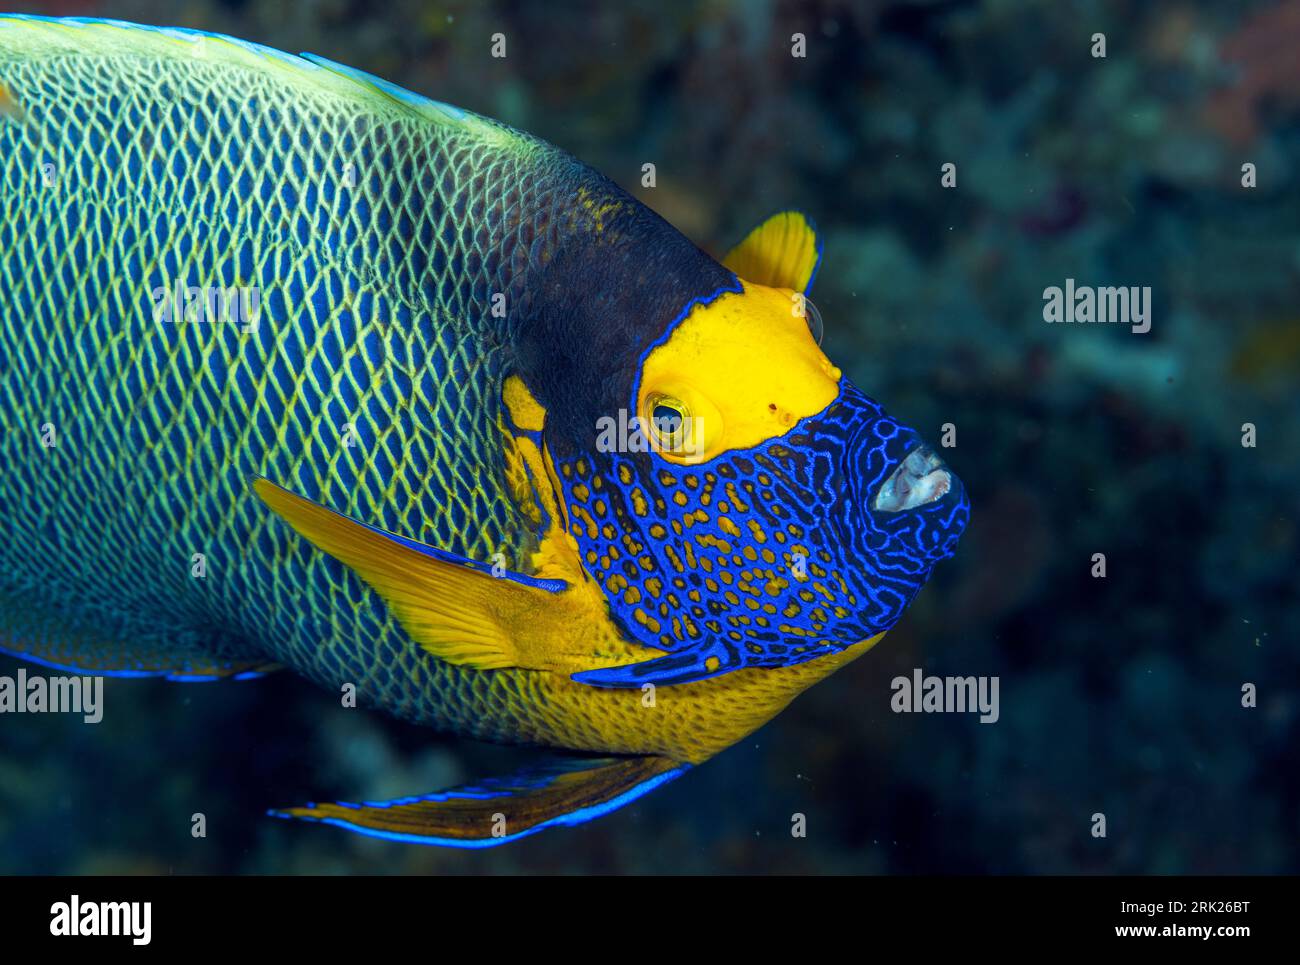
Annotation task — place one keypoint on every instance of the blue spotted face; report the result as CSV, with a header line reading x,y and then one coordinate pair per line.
x,y
767,556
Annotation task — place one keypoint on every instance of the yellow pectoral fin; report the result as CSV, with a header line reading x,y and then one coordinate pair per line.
x,y
458,610
782,252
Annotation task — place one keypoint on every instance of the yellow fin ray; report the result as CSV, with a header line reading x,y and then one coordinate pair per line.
x,y
782,252
459,610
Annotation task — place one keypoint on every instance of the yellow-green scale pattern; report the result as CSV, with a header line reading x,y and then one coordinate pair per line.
x,y
375,231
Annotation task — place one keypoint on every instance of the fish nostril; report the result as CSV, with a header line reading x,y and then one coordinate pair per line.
x,y
920,478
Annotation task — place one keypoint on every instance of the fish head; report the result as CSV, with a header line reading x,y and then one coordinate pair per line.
x,y
694,478
753,508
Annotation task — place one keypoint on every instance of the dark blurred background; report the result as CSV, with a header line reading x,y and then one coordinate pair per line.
x,y
1119,695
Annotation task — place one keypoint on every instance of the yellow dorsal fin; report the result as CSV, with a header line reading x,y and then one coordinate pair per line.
x,y
458,610
782,252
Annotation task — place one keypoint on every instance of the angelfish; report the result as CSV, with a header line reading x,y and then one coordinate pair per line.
x,y
395,480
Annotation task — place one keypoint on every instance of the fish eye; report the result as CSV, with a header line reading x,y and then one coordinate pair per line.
x,y
670,422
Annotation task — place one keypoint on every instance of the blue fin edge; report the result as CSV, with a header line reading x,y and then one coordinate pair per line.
x,y
817,236
307,61
572,819
173,675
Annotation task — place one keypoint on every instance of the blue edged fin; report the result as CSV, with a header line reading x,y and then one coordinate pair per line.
x,y
783,252
562,793
51,637
460,610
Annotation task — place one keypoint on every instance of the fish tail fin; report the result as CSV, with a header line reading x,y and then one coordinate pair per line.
x,y
564,792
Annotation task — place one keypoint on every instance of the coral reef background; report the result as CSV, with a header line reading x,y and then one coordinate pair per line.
x,y
1120,695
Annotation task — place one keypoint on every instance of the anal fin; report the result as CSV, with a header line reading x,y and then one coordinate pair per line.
x,y
563,792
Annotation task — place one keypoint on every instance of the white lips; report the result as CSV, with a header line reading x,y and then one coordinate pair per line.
x,y
921,478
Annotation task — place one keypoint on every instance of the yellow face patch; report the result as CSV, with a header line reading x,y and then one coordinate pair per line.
x,y
736,372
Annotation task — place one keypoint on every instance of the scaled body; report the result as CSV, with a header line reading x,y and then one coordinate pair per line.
x,y
410,434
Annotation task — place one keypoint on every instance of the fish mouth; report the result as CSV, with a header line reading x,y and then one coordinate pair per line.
x,y
921,478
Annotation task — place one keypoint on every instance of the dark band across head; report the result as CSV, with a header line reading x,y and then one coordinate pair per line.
x,y
607,277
